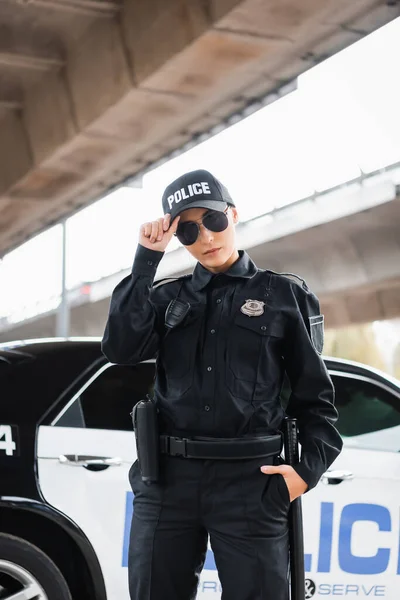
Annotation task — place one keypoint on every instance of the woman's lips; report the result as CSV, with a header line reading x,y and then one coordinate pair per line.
x,y
213,251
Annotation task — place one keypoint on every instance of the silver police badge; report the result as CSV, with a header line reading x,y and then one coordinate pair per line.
x,y
253,308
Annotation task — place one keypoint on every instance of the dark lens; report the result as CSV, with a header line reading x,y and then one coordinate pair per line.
x,y
187,233
215,221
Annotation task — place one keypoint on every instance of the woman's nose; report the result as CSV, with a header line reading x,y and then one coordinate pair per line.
x,y
206,234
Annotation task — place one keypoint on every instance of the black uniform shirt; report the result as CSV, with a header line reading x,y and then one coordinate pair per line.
x,y
220,370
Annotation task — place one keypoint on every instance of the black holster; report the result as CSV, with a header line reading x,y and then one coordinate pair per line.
x,y
144,417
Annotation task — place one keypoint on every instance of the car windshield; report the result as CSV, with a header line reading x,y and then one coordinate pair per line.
x,y
364,407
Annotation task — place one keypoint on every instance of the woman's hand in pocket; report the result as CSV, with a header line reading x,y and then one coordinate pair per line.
x,y
295,484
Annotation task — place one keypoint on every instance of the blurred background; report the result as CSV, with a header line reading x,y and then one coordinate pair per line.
x,y
294,106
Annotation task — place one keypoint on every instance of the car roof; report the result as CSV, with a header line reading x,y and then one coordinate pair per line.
x,y
35,373
356,368
17,351
46,342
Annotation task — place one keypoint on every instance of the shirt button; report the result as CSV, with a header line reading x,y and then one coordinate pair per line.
x,y
207,407
219,301
263,328
150,263
212,331
209,368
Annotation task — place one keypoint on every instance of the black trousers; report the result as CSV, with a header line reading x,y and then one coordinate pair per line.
x,y
245,513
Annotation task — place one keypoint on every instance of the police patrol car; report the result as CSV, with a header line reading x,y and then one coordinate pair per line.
x,y
66,445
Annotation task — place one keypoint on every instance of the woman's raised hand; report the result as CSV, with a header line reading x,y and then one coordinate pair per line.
x,y
156,235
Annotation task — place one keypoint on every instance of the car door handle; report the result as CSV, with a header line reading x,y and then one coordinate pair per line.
x,y
93,463
334,477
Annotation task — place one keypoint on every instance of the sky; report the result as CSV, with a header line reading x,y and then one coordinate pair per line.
x,y
342,119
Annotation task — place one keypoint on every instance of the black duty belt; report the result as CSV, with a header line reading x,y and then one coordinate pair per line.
x,y
221,448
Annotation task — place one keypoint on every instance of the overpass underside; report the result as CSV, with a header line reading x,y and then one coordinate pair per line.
x,y
93,91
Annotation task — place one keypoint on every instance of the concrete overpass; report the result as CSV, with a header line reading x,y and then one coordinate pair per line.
x,y
95,91
344,242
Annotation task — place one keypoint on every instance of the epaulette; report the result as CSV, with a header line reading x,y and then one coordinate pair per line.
x,y
165,280
293,277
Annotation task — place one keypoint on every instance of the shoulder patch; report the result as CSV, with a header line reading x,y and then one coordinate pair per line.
x,y
160,282
292,277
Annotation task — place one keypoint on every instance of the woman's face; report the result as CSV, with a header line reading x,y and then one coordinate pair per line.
x,y
213,249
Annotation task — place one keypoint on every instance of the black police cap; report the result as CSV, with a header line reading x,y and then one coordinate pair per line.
x,y
196,189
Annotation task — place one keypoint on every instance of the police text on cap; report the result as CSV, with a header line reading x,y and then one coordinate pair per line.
x,y
193,189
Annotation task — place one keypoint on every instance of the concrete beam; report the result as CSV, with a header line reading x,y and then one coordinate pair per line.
x,y
49,117
156,31
11,95
16,60
89,80
15,156
10,104
28,47
82,7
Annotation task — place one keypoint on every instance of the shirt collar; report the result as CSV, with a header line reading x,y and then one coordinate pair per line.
x,y
244,268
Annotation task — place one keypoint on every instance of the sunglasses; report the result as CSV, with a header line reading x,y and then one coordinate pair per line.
x,y
213,220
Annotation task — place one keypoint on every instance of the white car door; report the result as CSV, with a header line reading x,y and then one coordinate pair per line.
x,y
351,519
83,463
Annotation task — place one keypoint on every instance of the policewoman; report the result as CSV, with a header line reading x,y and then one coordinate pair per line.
x,y
223,337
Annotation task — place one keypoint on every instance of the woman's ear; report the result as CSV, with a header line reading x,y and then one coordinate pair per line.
x,y
235,215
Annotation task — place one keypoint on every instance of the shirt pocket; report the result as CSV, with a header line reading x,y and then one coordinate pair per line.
x,y
253,345
178,350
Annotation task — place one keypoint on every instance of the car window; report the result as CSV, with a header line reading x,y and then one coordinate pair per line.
x,y
107,401
369,415
364,407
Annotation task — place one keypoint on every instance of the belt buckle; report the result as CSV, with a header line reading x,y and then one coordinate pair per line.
x,y
178,446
